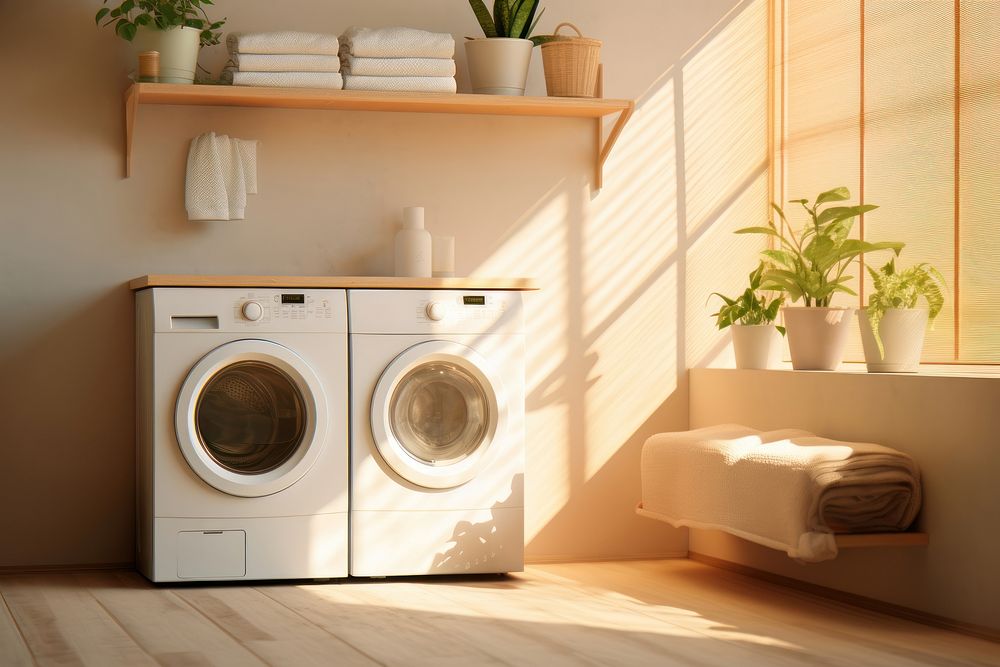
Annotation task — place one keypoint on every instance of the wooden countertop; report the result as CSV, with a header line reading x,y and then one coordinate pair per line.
x,y
333,282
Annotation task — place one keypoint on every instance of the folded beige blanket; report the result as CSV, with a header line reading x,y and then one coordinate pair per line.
x,y
788,490
415,84
282,41
396,66
284,62
332,80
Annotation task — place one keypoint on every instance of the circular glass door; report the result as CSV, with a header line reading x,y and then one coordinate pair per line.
x,y
247,419
436,410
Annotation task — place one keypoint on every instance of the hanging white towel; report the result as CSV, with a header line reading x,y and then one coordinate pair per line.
x,y
285,62
416,84
330,80
286,41
220,172
205,195
397,66
397,42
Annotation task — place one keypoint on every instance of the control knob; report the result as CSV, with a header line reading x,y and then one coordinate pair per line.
x,y
436,310
252,311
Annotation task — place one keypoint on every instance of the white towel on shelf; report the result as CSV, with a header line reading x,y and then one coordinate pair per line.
x,y
788,490
397,66
285,41
397,42
331,80
285,62
220,172
414,84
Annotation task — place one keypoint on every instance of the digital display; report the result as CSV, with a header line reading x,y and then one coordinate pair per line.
x,y
293,298
474,300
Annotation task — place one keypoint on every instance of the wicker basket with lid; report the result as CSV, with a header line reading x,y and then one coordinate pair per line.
x,y
571,64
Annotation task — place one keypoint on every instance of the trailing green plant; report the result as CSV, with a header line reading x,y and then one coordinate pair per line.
x,y
903,289
811,265
510,18
751,307
162,14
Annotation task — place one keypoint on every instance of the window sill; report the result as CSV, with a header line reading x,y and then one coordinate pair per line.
x,y
858,368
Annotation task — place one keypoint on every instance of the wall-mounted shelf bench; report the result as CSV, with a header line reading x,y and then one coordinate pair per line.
x,y
350,100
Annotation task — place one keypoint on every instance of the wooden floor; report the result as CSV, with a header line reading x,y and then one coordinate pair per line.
x,y
675,612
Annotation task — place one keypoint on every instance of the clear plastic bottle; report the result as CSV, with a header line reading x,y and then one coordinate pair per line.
x,y
413,245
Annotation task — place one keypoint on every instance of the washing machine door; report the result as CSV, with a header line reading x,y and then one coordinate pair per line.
x,y
250,418
436,411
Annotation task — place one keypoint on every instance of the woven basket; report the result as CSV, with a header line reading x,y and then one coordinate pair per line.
x,y
571,64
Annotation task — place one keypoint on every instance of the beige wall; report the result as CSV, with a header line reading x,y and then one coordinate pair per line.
x,y
948,424
624,272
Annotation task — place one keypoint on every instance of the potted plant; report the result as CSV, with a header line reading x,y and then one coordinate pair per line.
x,y
498,63
892,327
811,266
177,29
756,340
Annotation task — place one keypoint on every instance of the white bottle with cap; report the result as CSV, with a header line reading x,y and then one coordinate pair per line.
x,y
413,245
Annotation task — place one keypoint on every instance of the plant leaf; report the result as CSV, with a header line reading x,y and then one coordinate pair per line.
x,y
101,13
757,230
484,18
837,194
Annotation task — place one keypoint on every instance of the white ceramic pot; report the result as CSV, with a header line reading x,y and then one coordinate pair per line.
x,y
498,65
902,333
817,336
178,49
756,345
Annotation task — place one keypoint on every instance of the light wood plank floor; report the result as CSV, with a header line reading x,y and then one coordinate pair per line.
x,y
663,613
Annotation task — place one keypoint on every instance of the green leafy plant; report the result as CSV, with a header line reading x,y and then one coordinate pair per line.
x,y
510,18
162,14
751,307
811,265
903,289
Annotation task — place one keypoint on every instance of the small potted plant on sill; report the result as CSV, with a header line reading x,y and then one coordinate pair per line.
x,y
892,326
756,339
498,63
810,266
177,29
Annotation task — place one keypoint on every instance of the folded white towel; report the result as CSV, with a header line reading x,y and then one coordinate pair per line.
x,y
331,80
285,62
787,490
220,172
415,84
397,42
352,64
286,41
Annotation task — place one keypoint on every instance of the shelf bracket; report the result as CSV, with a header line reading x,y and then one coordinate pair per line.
x,y
604,147
131,109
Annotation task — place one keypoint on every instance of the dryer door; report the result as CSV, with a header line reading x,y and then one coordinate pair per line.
x,y
437,409
250,418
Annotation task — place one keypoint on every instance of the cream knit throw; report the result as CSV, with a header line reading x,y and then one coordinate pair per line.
x,y
330,80
397,66
397,42
284,62
220,172
286,41
417,84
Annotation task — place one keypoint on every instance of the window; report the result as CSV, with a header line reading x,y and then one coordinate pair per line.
x,y
899,100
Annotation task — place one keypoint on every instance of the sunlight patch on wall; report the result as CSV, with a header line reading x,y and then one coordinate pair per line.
x,y
725,113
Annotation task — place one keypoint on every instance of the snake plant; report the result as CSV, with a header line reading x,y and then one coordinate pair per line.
x,y
902,289
510,18
811,265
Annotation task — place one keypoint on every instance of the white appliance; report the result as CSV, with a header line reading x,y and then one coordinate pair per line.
x,y
242,433
437,432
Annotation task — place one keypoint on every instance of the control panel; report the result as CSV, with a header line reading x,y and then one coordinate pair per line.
x,y
268,307
460,307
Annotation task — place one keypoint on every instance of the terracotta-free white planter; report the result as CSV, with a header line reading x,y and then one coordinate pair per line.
x,y
756,345
817,336
902,333
178,49
498,65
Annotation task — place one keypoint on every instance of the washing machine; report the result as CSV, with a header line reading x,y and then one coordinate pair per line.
x,y
242,457
437,432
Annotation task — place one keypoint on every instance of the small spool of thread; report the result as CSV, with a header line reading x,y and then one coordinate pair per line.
x,y
149,66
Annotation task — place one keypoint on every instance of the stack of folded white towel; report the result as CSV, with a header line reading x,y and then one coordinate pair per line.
x,y
397,59
283,59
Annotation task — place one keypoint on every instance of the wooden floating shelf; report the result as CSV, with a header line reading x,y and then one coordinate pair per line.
x,y
843,540
333,282
351,100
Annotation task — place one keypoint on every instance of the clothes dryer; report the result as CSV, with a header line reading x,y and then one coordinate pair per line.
x,y
437,432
